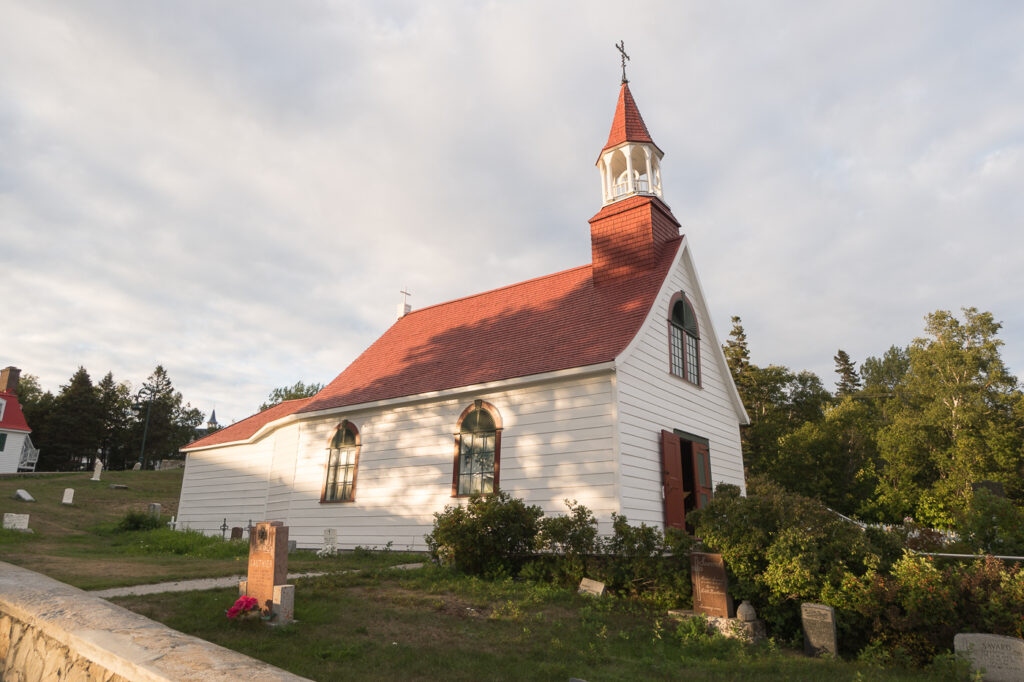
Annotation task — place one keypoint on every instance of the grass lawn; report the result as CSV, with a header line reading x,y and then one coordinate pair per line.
x,y
78,544
378,624
428,624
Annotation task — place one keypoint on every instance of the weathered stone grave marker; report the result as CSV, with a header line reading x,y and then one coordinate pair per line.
x,y
118,486
69,496
592,587
15,521
236,533
1001,657
23,495
330,541
137,466
154,509
710,585
268,562
96,470
819,623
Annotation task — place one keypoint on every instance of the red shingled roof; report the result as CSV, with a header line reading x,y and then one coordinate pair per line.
x,y
247,427
546,324
628,125
13,419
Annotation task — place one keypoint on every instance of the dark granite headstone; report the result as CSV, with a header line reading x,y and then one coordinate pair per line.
x,y
710,585
236,533
819,623
268,561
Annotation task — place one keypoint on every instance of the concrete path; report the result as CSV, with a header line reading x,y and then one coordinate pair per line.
x,y
204,584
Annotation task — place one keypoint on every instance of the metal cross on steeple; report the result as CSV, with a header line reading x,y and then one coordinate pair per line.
x,y
622,48
404,293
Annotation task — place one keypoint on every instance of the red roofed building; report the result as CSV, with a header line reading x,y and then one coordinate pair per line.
x,y
16,451
604,383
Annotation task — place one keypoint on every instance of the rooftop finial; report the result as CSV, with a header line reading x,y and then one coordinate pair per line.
x,y
404,308
622,48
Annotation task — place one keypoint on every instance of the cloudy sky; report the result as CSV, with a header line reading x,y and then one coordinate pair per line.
x,y
239,190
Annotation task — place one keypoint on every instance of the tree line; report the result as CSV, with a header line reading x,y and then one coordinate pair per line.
x,y
108,420
909,434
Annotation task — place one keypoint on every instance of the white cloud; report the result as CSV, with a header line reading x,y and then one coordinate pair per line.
x,y
238,191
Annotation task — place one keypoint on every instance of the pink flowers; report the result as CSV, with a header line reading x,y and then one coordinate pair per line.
x,y
242,606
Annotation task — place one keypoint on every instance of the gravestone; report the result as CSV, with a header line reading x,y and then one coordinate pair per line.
x,y
154,509
96,469
236,533
69,496
710,585
292,545
23,495
330,541
118,486
1001,657
137,466
16,521
283,608
819,623
592,587
268,562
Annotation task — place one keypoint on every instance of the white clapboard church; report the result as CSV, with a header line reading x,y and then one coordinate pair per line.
x,y
605,383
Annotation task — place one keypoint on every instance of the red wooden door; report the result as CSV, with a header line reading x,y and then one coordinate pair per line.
x,y
672,480
702,474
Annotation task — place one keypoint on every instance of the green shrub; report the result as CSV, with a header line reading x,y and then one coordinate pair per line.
x,y
190,543
491,534
137,520
992,524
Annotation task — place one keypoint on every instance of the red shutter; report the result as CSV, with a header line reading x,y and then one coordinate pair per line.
x,y
672,480
702,474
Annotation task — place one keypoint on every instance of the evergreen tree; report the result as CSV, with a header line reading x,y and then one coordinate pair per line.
x,y
737,355
164,422
74,427
849,381
297,390
116,408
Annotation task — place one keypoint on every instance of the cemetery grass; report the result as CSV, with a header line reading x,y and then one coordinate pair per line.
x,y
79,544
429,624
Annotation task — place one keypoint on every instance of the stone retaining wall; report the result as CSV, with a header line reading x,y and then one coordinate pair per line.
x,y
52,631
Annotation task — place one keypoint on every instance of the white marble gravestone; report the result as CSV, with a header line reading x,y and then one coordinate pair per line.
x,y
69,496
591,587
96,469
1001,657
154,509
330,541
16,521
23,495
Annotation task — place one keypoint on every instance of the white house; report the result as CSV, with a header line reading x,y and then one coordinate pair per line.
x,y
16,450
605,384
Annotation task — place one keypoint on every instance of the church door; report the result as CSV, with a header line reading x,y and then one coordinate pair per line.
x,y
686,476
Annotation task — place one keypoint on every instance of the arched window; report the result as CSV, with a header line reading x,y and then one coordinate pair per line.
x,y
684,340
342,461
477,450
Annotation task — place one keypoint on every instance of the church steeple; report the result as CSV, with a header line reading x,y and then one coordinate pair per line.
x,y
630,163
634,225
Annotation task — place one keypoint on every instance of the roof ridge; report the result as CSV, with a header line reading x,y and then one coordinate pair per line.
x,y
497,289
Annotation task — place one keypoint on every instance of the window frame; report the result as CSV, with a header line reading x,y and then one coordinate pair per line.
x,y
680,338
477,404
358,447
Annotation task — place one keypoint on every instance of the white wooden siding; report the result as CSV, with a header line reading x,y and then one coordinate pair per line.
x,y
556,443
10,456
650,398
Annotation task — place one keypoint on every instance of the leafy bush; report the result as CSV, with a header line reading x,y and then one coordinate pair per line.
x,y
992,524
491,534
137,520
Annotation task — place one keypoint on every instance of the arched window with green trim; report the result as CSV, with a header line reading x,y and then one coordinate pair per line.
x,y
477,449
342,464
684,340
